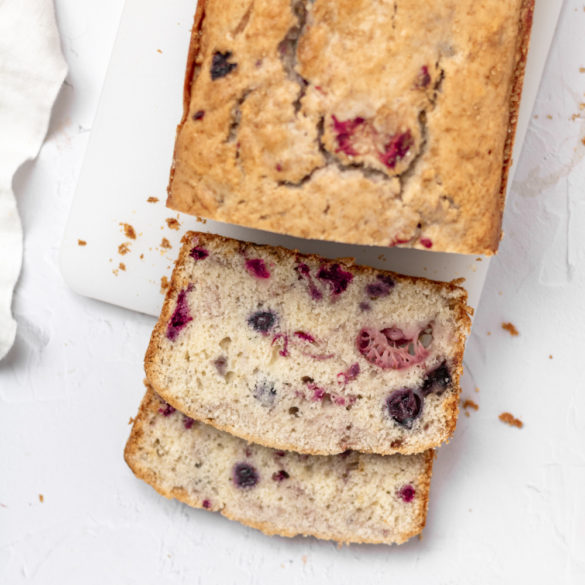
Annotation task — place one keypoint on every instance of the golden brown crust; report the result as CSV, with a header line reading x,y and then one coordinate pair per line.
x,y
149,408
453,222
450,404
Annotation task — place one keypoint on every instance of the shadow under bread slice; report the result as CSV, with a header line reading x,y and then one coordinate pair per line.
x,y
350,497
307,354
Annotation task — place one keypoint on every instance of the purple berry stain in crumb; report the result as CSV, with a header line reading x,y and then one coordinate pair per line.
x,y
167,410
257,268
345,130
304,336
198,253
407,493
262,321
180,317
199,115
381,288
220,365
284,351
404,406
426,242
396,149
337,278
187,421
245,475
350,374
207,504
305,272
424,77
437,381
365,307
279,476
220,65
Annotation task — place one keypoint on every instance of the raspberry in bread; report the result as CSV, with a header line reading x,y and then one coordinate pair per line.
x,y
306,354
351,497
369,122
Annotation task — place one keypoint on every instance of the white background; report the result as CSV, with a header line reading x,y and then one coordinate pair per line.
x,y
507,505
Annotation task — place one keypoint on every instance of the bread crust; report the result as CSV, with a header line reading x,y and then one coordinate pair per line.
x,y
467,231
450,405
149,408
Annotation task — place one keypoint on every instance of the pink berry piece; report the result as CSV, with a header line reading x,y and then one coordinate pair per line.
x,y
207,504
188,422
396,149
198,253
337,278
350,374
345,131
257,268
180,317
245,476
390,348
304,272
427,243
305,336
167,410
407,493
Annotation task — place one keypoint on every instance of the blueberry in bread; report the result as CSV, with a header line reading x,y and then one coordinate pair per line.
x,y
372,122
307,354
350,497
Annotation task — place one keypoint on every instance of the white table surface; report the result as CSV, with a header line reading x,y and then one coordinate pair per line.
x,y
507,505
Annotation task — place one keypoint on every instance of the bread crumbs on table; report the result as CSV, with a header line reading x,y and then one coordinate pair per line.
x,y
164,284
467,404
509,327
122,266
165,244
123,249
142,256
173,223
511,420
550,357
152,200
128,231
41,498
81,243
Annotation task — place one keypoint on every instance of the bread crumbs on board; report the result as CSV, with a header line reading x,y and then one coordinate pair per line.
x,y
467,404
123,249
511,420
509,327
122,266
165,244
129,231
81,243
41,498
173,223
152,200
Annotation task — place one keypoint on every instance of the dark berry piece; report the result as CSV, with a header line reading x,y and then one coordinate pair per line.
x,y
187,421
396,149
381,288
220,65
167,410
404,406
406,493
437,381
220,365
280,475
365,307
387,280
257,268
199,115
180,317
198,254
424,77
337,278
206,504
245,475
265,392
262,321
305,272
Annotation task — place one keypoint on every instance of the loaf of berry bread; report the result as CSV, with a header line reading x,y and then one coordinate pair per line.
x,y
372,122
306,354
350,497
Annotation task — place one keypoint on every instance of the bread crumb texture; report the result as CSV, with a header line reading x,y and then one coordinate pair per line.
x,y
81,243
294,107
129,231
511,329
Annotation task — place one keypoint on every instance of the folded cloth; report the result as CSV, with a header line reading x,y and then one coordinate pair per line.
x,y
32,69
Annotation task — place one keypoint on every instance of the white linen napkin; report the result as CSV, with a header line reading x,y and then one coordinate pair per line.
x,y
32,69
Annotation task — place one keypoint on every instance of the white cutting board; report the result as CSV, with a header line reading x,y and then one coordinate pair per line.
x,y
129,156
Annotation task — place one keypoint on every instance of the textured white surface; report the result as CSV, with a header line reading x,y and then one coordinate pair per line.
x,y
507,505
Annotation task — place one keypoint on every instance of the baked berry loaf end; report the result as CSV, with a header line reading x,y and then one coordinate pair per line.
x,y
307,354
371,122
347,498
